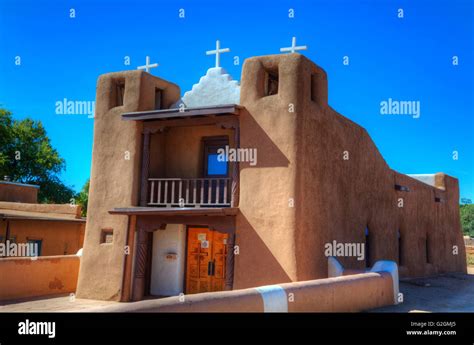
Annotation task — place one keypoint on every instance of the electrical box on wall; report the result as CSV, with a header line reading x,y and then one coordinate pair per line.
x,y
171,256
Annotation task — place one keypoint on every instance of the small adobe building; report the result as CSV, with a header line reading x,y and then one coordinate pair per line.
x,y
166,216
55,229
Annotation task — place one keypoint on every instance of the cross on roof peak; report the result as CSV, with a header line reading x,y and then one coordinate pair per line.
x,y
218,52
147,65
293,47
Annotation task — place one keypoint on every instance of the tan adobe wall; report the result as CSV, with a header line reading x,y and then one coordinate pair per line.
x,y
58,237
16,192
266,227
341,294
59,211
301,157
114,178
422,221
24,277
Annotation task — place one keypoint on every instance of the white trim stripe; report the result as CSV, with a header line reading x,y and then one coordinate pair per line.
x,y
392,268
274,298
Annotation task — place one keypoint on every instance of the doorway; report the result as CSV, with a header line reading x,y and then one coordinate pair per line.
x,y
206,260
167,261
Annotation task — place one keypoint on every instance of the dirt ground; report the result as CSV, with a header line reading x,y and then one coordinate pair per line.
x,y
451,292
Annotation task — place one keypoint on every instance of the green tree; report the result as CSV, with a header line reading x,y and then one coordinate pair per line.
x,y
467,219
26,156
5,134
83,198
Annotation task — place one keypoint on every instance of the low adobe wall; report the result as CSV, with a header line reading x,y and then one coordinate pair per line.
x,y
41,276
340,294
61,211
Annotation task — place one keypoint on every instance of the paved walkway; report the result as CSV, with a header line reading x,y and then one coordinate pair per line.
x,y
450,292
63,303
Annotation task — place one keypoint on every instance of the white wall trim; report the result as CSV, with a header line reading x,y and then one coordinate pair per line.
x,y
274,298
392,268
335,268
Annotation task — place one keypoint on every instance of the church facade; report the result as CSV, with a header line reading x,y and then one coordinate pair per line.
x,y
168,215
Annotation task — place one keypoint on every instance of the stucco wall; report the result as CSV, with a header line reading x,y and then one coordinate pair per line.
x,y
24,277
266,226
115,177
422,221
58,237
302,157
57,211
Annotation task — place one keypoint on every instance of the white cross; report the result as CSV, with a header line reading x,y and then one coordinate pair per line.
x,y
293,47
218,52
147,65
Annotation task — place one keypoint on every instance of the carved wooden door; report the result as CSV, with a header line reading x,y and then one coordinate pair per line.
x,y
206,260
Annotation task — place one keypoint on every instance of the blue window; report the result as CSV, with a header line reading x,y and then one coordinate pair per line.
x,y
214,166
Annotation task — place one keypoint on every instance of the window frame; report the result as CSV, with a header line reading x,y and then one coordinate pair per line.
x,y
119,93
104,233
210,146
36,240
158,96
271,76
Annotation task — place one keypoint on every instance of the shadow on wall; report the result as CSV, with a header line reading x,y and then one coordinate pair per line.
x,y
268,153
258,266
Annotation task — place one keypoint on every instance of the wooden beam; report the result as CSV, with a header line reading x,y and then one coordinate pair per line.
x,y
229,269
141,257
221,224
235,173
224,121
176,113
145,168
127,275
176,211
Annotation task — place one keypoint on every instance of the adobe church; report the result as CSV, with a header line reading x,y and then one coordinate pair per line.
x,y
168,216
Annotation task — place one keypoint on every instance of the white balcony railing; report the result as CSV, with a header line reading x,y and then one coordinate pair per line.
x,y
189,192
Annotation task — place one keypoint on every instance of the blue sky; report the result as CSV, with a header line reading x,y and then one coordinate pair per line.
x,y
404,59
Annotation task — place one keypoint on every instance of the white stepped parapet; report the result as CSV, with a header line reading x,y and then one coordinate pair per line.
x,y
215,88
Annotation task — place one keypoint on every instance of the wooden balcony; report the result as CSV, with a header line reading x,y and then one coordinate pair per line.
x,y
190,192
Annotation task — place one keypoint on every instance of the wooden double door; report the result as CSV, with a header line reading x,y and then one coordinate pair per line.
x,y
206,260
